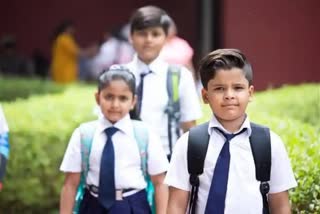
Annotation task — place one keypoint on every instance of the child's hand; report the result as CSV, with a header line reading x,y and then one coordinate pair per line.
x,y
1,186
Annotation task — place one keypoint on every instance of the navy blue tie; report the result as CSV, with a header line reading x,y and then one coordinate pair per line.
x,y
218,188
107,193
140,92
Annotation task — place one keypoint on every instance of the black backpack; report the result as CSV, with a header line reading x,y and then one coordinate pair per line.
x,y
261,151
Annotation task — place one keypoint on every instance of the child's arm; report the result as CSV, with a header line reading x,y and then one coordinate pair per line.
x,y
161,193
281,177
190,108
187,125
178,201
68,192
279,203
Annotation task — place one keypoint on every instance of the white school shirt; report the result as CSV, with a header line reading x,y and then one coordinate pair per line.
x,y
3,123
128,173
155,96
243,194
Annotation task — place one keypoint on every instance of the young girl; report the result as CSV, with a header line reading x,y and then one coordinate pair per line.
x,y
114,152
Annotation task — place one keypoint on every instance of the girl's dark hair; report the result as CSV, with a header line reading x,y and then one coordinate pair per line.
x,y
117,72
149,16
224,59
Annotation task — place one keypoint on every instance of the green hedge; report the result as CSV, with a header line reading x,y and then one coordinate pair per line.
x,y
294,113
16,88
301,102
41,128
303,145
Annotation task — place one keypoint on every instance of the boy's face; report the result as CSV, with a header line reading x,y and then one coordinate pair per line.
x,y
228,95
115,100
148,43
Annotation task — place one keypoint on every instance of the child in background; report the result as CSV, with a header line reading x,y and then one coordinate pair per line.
x,y
149,30
116,97
177,50
227,79
4,146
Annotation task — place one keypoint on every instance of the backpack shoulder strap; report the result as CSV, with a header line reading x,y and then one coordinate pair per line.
x,y
4,144
142,138
141,133
173,79
4,153
173,106
261,151
197,149
86,135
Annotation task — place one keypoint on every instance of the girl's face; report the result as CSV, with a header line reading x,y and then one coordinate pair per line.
x,y
115,100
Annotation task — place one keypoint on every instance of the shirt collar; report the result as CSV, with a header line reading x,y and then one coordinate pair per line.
x,y
124,125
214,123
156,66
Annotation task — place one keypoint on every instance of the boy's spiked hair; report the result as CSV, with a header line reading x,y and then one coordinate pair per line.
x,y
149,16
223,59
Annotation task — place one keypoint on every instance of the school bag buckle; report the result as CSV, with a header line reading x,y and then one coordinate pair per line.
x,y
172,111
264,187
194,180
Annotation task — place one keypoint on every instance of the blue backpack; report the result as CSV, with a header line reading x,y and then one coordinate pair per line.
x,y
4,153
86,134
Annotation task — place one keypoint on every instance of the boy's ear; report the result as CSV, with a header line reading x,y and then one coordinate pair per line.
x,y
204,94
251,91
97,98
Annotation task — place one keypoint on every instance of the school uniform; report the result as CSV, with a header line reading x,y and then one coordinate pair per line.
x,y
4,145
3,123
155,96
128,174
243,195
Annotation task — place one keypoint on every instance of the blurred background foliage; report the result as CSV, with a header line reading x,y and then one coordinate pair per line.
x,y
44,115
16,88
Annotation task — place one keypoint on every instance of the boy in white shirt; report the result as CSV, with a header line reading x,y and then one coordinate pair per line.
x,y
227,79
149,30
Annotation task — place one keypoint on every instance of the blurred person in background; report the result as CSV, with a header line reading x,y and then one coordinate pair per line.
x,y
177,50
13,63
115,49
66,54
41,63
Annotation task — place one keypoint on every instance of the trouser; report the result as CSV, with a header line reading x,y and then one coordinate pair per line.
x,y
132,204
